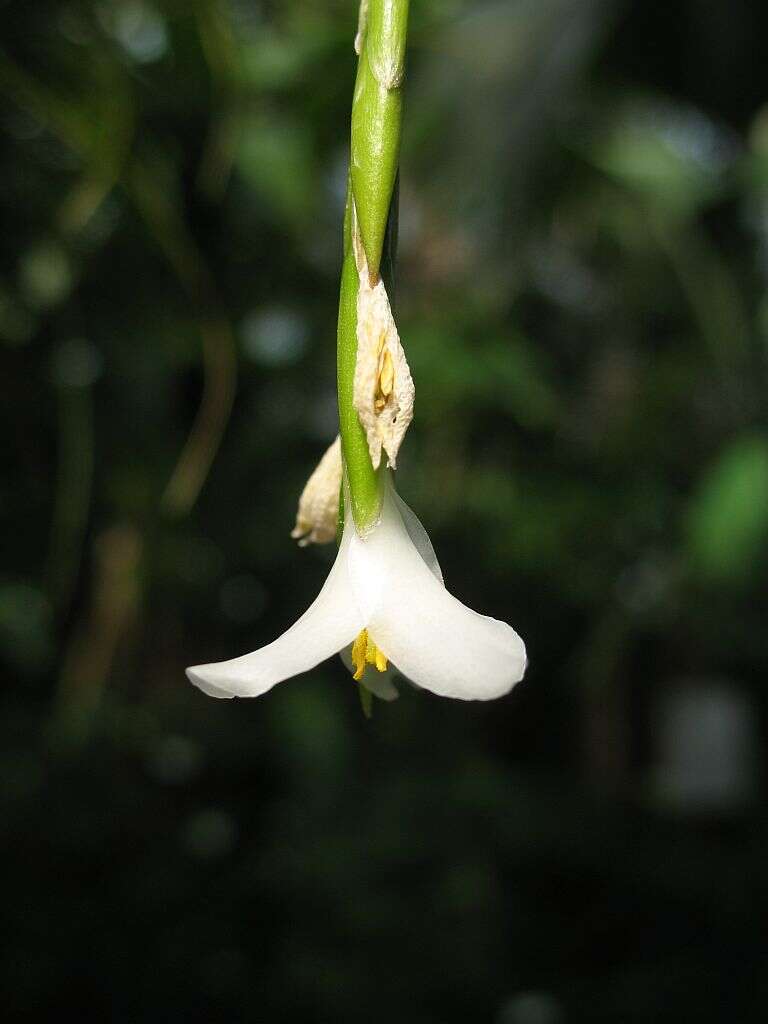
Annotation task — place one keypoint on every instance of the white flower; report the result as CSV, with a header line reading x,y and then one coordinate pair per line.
x,y
318,510
384,599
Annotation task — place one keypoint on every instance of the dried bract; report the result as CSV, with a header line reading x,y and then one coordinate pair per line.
x,y
383,387
318,511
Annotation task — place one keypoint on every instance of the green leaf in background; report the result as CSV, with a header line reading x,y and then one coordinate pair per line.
x,y
26,639
275,157
504,371
728,516
670,154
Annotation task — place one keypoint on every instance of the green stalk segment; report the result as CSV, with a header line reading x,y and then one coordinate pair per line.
x,y
376,121
363,480
375,150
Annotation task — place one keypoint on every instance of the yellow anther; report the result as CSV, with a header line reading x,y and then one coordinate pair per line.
x,y
359,647
385,382
386,375
365,652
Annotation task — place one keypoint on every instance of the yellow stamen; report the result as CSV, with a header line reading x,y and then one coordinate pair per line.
x,y
359,648
386,379
365,652
386,375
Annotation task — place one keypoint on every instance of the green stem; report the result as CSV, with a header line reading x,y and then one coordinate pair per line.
x,y
362,478
375,150
376,122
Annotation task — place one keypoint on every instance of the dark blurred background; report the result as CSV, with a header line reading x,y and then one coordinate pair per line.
x,y
582,296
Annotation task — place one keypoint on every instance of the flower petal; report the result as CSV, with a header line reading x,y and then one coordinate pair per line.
x,y
331,622
419,536
380,684
430,636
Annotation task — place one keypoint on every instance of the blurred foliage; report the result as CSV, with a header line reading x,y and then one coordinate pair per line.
x,y
582,292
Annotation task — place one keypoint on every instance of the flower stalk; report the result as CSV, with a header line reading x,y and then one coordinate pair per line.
x,y
362,479
375,151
